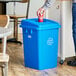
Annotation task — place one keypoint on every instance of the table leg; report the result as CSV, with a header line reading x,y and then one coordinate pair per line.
x,y
16,29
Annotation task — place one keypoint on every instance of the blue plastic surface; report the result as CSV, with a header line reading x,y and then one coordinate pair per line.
x,y
40,43
34,24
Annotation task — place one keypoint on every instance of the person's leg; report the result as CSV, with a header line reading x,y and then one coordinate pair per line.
x,y
73,62
74,23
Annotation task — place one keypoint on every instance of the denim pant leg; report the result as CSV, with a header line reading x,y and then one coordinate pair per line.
x,y
74,23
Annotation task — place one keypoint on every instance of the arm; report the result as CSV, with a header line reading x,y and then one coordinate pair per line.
x,y
48,3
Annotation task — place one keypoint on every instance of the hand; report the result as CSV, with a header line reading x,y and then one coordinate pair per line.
x,y
40,12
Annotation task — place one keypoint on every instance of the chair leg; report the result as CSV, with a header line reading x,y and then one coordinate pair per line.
x,y
5,70
4,45
2,71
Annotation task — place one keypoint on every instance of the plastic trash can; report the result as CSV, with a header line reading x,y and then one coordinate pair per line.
x,y
40,42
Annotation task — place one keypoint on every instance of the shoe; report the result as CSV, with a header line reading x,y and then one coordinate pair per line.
x,y
71,63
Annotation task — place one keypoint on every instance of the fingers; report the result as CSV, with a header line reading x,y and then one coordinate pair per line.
x,y
40,12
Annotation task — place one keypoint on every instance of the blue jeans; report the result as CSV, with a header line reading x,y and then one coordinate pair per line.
x,y
74,23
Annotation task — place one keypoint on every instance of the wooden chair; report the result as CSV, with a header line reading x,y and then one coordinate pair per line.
x,y
16,21
4,32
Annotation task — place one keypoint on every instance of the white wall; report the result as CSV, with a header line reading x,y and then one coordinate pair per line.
x,y
20,8
54,12
34,6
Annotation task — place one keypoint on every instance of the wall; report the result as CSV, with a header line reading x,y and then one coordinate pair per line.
x,y
20,8
54,12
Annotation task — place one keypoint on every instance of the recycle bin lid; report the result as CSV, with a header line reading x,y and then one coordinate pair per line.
x,y
34,24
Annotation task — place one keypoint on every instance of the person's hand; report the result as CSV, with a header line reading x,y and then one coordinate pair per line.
x,y
40,12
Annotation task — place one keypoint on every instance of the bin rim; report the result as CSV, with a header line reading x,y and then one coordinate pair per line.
x,y
34,24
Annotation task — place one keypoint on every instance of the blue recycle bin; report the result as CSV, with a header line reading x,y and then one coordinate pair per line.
x,y
40,43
